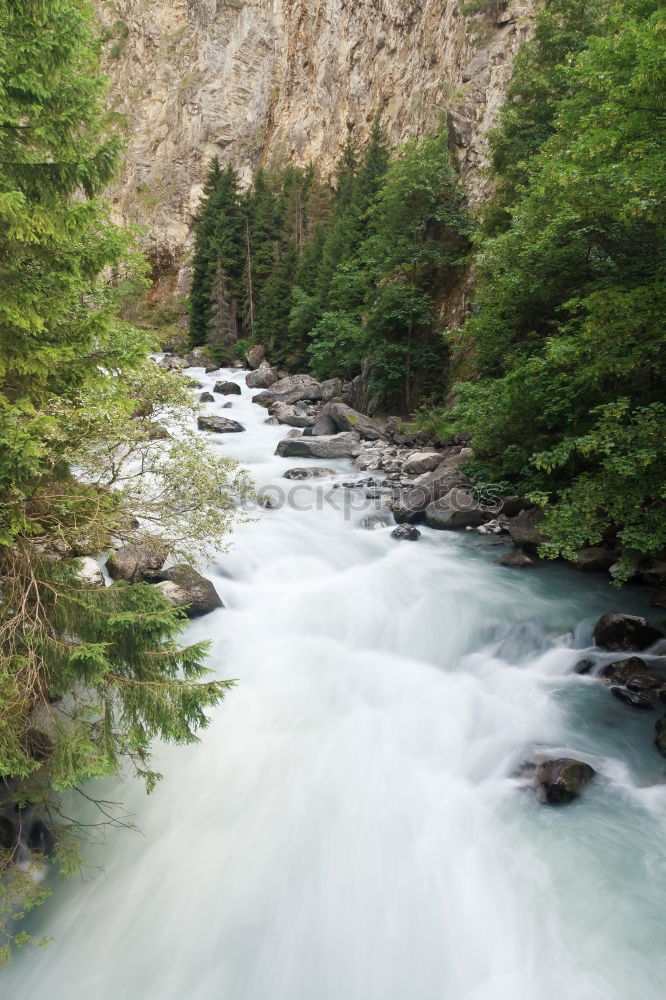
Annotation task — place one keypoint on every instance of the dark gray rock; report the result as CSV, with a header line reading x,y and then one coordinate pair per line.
x,y
187,589
138,560
335,446
206,397
622,671
660,736
219,425
617,631
227,406
634,699
291,414
517,559
596,558
227,388
525,528
406,533
560,781
513,505
308,472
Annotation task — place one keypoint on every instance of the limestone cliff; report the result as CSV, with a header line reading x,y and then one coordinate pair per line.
x,y
268,80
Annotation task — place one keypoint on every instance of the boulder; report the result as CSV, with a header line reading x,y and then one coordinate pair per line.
x,y
227,388
595,558
525,528
137,561
634,699
196,358
517,559
406,533
422,461
262,378
206,397
227,406
617,631
294,433
271,421
513,505
187,589
456,509
219,425
88,572
561,781
347,419
173,363
654,572
621,671
333,446
255,355
289,414
292,389
660,736
408,507
324,425
330,388
308,472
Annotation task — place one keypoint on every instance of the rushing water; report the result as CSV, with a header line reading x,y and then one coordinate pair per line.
x,y
349,827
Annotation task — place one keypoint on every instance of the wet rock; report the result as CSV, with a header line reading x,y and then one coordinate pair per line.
x,y
347,419
262,378
517,559
456,509
422,461
660,736
187,589
227,388
138,560
308,472
88,572
621,671
227,406
525,528
498,526
206,397
596,558
271,421
333,446
617,631
295,433
407,508
634,699
406,533
255,355
583,666
219,425
560,781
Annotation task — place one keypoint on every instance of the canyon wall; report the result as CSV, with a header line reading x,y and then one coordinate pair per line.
x,y
267,81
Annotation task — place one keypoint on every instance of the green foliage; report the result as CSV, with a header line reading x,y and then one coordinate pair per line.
x,y
88,678
568,328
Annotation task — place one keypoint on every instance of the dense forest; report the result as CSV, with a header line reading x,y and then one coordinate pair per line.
x,y
89,675
564,391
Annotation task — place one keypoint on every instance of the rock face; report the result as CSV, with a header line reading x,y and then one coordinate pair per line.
x,y
219,425
138,561
335,446
561,781
251,81
624,632
187,589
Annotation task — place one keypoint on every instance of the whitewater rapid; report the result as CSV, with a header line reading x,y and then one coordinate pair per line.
x,y
349,827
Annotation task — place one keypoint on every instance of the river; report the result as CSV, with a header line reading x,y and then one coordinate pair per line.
x,y
349,827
